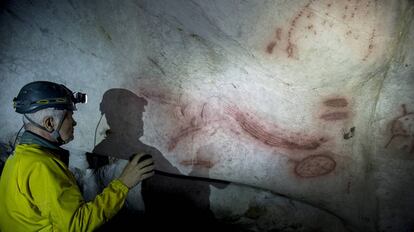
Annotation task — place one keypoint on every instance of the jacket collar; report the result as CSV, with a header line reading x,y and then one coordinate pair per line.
x,y
29,137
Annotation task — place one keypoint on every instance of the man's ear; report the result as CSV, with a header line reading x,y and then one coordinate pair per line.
x,y
49,124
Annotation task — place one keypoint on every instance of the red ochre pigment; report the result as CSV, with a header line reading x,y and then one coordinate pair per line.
x,y
334,116
257,131
315,165
336,102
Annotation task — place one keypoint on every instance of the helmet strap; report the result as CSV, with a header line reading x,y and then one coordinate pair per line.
x,y
55,133
35,124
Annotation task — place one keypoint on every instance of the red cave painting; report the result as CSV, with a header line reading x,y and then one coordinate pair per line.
x,y
253,129
336,102
370,45
197,162
203,159
232,119
403,127
336,109
258,131
182,134
321,15
315,166
334,116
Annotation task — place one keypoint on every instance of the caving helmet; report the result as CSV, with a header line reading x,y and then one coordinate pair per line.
x,y
40,95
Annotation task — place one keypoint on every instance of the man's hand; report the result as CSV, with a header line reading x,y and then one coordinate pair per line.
x,y
139,168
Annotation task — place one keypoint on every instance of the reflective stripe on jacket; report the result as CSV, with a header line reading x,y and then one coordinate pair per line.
x,y
39,193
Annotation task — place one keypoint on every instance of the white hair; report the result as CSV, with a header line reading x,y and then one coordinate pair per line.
x,y
40,115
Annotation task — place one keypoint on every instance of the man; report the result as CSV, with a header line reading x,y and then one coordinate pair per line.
x,y
37,190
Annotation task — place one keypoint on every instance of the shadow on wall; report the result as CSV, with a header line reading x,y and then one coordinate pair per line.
x,y
180,203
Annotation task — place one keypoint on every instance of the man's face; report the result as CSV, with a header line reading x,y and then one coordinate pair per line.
x,y
66,130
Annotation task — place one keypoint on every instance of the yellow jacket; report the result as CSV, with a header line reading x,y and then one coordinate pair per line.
x,y
39,193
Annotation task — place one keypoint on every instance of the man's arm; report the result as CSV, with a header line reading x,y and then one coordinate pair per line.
x,y
56,194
